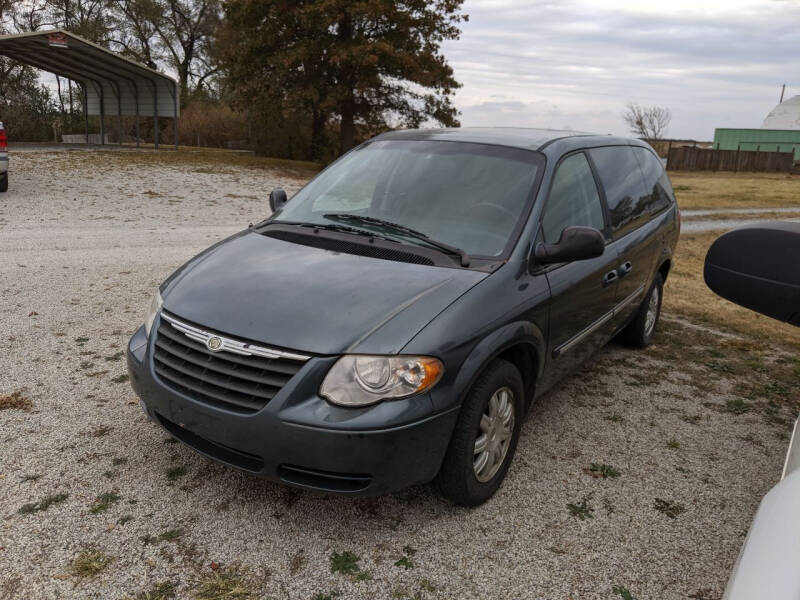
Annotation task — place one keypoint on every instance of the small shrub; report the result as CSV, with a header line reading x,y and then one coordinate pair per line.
x,y
223,584
174,473
103,502
404,562
89,562
345,563
737,406
668,507
601,470
160,591
43,504
673,444
15,400
622,591
581,510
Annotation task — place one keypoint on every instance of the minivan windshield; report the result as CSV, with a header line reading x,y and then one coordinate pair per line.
x,y
469,196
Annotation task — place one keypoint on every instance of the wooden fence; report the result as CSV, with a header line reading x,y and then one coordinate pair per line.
x,y
688,158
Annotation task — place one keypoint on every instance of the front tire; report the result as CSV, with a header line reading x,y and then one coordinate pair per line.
x,y
639,332
485,436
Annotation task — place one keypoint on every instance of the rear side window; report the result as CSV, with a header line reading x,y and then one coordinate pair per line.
x,y
656,180
626,193
573,199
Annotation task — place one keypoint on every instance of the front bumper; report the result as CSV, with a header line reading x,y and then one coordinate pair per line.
x,y
300,439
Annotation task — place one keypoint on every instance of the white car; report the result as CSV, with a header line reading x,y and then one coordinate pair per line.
x,y
756,266
3,159
769,563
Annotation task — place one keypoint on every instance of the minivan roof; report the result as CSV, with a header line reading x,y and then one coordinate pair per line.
x,y
516,137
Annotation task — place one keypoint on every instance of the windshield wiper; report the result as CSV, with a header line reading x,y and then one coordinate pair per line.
x,y
447,248
329,227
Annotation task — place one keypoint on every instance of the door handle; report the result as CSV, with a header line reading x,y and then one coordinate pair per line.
x,y
625,268
609,278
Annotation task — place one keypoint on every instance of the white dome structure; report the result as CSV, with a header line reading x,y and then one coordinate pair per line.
x,y
785,115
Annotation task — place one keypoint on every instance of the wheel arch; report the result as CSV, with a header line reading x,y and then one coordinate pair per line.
x,y
520,343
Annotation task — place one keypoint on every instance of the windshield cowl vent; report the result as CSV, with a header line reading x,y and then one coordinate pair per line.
x,y
334,244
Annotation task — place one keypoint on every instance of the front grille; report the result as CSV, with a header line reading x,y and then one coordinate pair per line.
x,y
229,380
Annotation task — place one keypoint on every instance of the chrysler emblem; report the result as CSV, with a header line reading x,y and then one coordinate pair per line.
x,y
214,343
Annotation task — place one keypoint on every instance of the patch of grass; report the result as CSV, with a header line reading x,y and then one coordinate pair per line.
x,y
668,507
160,591
598,470
170,535
344,562
581,510
622,591
223,583
673,444
404,562
115,357
737,406
15,400
326,596
89,562
120,378
103,502
81,340
175,473
693,419
101,431
43,504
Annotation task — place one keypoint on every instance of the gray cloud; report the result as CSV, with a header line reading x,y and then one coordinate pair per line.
x,y
578,64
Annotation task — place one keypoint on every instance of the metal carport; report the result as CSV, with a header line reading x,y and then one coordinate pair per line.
x,y
132,88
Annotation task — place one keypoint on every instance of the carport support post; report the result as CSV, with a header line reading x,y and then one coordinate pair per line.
x,y
119,114
155,114
86,111
175,99
102,116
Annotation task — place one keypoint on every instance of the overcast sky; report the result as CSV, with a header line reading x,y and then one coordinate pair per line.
x,y
575,64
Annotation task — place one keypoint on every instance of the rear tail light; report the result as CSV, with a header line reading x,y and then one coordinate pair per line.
x,y
3,140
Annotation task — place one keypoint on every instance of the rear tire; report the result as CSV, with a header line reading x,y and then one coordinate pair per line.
x,y
4,183
485,436
639,332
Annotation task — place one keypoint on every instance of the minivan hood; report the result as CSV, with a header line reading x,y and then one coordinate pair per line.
x,y
303,298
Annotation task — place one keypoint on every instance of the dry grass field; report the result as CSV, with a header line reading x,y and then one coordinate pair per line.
x,y
636,478
725,190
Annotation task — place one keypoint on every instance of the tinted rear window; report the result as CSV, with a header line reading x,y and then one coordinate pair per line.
x,y
655,179
627,195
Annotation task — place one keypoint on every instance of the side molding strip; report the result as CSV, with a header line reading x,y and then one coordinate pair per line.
x,y
598,323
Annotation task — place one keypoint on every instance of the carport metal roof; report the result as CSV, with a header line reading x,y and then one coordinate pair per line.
x,y
107,78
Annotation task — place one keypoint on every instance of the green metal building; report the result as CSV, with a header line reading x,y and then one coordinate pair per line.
x,y
766,140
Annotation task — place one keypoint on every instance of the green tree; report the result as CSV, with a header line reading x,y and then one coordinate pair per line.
x,y
357,64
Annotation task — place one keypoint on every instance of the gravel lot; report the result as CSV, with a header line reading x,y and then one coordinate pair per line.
x,y
696,429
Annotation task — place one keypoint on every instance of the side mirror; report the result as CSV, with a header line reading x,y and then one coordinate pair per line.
x,y
277,198
576,243
756,266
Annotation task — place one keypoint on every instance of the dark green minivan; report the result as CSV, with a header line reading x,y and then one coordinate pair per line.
x,y
392,322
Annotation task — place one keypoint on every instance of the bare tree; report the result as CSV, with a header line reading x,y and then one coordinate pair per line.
x,y
647,122
177,32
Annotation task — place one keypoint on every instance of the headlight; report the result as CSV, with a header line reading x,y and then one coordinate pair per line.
x,y
361,380
155,305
